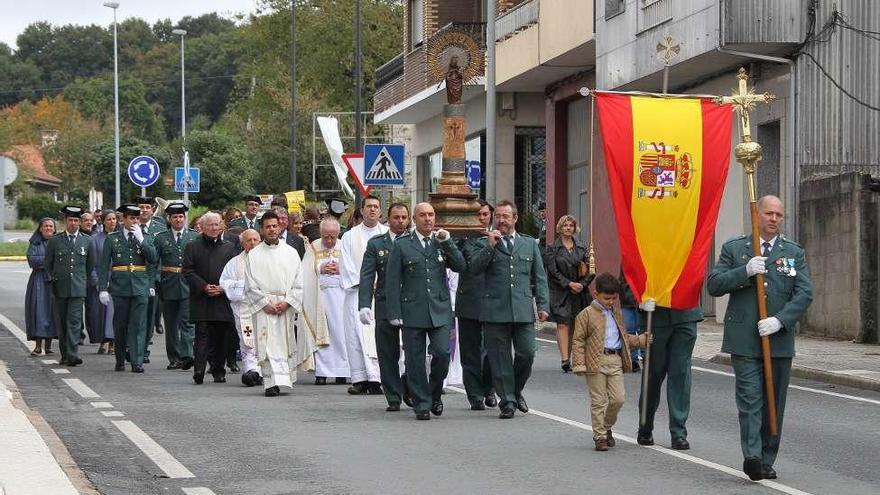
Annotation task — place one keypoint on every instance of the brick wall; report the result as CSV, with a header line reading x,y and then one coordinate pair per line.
x,y
839,230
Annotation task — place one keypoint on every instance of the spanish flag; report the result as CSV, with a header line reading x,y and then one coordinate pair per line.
x,y
667,161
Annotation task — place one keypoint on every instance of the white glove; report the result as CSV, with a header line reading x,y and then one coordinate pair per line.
x,y
648,305
769,326
756,266
442,235
396,322
138,234
366,315
104,297
152,292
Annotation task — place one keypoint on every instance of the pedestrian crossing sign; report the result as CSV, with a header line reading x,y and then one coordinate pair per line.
x,y
383,165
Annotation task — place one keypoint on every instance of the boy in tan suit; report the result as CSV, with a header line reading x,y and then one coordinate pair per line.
x,y
601,353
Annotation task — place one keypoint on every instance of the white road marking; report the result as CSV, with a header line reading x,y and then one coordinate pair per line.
x,y
796,387
197,490
112,414
50,361
663,450
165,461
60,371
19,333
81,388
102,405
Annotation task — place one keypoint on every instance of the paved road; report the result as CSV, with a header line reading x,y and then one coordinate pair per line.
x,y
318,440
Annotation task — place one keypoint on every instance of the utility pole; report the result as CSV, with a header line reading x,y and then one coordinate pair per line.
x,y
491,183
293,95
186,177
358,144
114,6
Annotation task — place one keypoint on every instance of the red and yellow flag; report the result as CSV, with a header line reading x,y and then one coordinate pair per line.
x,y
667,161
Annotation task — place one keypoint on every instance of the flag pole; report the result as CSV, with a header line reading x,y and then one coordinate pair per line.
x,y
748,154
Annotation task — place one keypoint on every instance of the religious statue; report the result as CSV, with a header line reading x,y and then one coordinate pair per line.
x,y
454,81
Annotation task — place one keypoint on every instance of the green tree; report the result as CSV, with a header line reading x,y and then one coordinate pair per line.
x,y
16,77
93,98
66,52
225,166
129,147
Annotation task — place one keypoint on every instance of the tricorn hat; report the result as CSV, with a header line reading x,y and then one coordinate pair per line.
x,y
72,211
143,200
129,209
252,197
174,208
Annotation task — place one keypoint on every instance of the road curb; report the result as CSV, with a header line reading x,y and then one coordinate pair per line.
x,y
818,375
13,258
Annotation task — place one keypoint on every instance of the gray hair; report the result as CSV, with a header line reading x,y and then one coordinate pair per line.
x,y
246,231
210,216
327,222
280,210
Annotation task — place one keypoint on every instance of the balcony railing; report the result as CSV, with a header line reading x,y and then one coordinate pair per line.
x,y
389,71
514,21
653,13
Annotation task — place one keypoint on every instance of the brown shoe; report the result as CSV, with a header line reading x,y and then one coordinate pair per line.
x,y
601,444
610,439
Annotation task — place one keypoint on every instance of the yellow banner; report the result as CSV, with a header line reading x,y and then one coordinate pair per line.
x,y
296,200
661,200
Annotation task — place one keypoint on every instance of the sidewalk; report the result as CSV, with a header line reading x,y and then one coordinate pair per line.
x,y
831,361
27,466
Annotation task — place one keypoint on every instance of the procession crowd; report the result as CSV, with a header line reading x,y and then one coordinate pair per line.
x,y
373,303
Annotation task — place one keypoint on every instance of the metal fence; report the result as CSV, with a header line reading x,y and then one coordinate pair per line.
x,y
514,21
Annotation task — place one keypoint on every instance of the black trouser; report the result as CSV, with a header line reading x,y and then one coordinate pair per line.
x,y
388,350
426,390
212,344
233,348
476,374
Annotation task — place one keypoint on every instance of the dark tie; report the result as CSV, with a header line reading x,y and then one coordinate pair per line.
x,y
131,237
177,239
508,242
427,243
766,251
144,228
71,238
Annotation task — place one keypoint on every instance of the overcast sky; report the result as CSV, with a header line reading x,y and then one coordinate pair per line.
x,y
15,15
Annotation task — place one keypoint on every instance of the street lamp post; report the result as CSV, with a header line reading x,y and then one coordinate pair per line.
x,y
114,6
186,179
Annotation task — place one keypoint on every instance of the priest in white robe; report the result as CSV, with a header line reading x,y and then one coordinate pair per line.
x,y
274,295
233,282
360,338
323,299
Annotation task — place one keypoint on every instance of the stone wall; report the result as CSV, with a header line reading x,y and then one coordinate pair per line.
x,y
840,232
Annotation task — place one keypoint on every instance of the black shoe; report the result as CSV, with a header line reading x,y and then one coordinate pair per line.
x,y
234,368
62,362
173,366
521,404
393,407
491,400
636,367
273,391
609,439
186,363
359,388
119,367
374,388
768,472
137,368
74,362
680,443
477,405
146,360
407,397
198,378
320,380
752,467
437,407
219,378
645,438
341,380
423,415
250,378
566,366
507,412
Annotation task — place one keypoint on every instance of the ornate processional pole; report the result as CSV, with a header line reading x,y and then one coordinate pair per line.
x,y
748,154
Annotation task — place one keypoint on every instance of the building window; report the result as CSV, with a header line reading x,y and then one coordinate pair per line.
x,y
416,22
653,13
613,8
433,170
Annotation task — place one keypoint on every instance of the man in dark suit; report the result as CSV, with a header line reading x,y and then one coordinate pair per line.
x,y
417,292
292,240
371,294
514,278
203,263
249,220
789,294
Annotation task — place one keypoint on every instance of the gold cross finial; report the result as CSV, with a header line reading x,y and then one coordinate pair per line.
x,y
744,100
668,49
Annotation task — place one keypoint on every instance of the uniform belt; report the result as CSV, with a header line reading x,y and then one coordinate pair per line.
x,y
611,351
172,269
129,268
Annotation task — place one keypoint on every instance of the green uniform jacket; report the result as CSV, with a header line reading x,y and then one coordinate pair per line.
x,y
68,266
512,280
789,294
173,284
373,270
118,252
470,285
157,226
241,223
416,285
